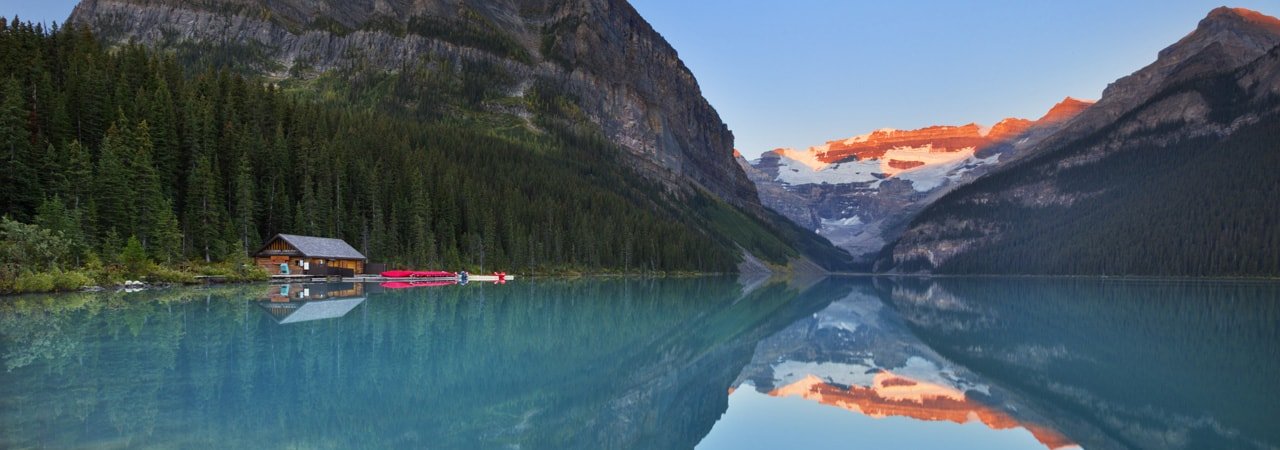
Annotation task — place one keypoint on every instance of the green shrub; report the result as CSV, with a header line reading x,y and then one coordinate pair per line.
x,y
165,274
29,246
29,282
252,272
108,275
214,270
71,280
235,272
8,274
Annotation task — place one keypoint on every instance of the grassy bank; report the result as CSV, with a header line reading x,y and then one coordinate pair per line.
x,y
68,280
34,259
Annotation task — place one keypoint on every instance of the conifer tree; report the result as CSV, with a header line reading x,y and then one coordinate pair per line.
x,y
78,174
203,219
53,176
422,238
19,180
245,209
164,136
277,210
114,192
166,236
134,257
151,204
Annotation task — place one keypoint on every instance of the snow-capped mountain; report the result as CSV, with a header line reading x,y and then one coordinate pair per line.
x,y
857,191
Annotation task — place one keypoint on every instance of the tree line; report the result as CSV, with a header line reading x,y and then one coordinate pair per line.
x,y
107,145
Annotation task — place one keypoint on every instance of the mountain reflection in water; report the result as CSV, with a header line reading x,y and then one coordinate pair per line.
x,y
644,364
1115,364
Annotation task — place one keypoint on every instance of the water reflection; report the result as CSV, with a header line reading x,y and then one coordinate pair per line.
x,y
858,355
595,364
879,363
1116,364
297,302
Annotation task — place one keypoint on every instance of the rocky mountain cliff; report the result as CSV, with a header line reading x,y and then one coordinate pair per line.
x,y
860,192
1225,40
629,81
1172,172
594,67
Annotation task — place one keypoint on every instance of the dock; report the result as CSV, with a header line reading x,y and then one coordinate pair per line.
x,y
377,279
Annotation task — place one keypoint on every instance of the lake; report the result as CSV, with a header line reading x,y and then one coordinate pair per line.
x,y
711,363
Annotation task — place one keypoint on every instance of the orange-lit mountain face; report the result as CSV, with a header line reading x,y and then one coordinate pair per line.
x,y
892,395
939,139
858,191
1065,110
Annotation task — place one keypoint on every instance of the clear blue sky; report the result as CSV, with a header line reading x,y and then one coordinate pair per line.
x,y
800,72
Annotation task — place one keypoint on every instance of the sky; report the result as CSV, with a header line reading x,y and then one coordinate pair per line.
x,y
798,73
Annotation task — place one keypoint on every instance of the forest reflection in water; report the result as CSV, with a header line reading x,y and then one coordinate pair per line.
x,y
640,363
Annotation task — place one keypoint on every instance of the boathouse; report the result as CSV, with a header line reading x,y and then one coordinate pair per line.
x,y
288,254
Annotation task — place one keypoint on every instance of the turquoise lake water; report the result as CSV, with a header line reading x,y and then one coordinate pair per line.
x,y
710,363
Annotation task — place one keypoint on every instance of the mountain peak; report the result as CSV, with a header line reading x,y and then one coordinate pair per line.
x,y
1244,32
1224,13
1226,39
1066,109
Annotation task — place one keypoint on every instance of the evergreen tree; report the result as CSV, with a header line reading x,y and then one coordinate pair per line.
x,y
133,257
53,176
151,203
78,174
114,193
19,180
421,236
245,210
164,137
166,236
203,219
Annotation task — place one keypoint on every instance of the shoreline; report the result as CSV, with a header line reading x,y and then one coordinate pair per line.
x,y
138,285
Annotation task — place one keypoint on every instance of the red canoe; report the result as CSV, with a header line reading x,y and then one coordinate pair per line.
x,y
416,284
418,274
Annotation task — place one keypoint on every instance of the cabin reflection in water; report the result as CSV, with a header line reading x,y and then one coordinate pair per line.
x,y
294,303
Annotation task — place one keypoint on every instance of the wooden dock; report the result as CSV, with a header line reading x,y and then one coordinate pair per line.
x,y
378,279
286,279
381,279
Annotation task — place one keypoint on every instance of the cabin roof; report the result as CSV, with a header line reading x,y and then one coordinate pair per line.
x,y
318,247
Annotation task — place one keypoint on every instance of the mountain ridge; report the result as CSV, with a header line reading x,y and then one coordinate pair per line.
x,y
860,191
538,67
1106,184
634,112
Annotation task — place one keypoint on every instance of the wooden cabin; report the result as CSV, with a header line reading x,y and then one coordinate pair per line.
x,y
288,254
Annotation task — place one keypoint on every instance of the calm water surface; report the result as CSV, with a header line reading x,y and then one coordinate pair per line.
x,y
708,363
